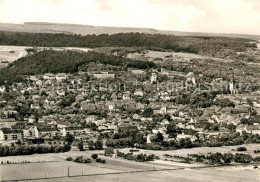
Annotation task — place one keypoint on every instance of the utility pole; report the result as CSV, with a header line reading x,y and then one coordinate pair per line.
x,y
154,168
68,171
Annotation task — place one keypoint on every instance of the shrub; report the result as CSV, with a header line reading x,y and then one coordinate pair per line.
x,y
69,159
94,156
133,150
241,149
79,159
80,146
82,160
256,151
99,160
87,160
242,158
257,159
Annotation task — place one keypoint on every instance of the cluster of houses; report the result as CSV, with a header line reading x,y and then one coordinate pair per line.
x,y
113,110
40,132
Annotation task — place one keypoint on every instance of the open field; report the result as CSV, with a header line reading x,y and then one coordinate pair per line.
x,y
59,167
172,56
178,56
11,53
118,169
200,150
182,175
155,54
104,173
54,165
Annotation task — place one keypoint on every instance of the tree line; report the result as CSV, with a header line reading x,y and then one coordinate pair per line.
x,y
211,46
32,149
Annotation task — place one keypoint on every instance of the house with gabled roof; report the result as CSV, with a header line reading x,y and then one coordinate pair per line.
x,y
138,92
171,109
160,110
126,96
104,75
91,118
74,131
253,129
184,136
29,132
61,77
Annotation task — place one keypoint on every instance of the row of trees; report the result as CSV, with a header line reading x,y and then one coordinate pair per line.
x,y
32,149
138,157
223,159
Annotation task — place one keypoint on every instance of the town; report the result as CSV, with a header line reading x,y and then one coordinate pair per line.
x,y
157,108
120,91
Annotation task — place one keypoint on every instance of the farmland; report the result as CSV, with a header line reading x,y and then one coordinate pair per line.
x,y
55,165
197,175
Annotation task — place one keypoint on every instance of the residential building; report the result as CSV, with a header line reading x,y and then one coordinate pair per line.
x,y
7,134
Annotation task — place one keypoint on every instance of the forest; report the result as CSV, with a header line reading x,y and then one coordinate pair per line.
x,y
221,47
50,61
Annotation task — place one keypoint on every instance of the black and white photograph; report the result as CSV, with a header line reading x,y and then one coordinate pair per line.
x,y
130,90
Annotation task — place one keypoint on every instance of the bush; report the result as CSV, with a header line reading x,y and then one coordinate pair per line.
x,y
82,160
87,160
99,160
79,159
144,157
241,149
257,159
133,150
256,151
80,146
242,158
94,156
69,159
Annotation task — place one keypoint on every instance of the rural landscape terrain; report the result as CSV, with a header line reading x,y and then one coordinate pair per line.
x,y
85,103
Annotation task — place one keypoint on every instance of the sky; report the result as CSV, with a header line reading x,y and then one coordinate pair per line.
x,y
218,16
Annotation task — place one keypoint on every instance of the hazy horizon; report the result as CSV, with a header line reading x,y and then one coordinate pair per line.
x,y
215,16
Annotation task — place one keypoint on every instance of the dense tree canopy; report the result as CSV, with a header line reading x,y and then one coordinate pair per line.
x,y
211,46
50,61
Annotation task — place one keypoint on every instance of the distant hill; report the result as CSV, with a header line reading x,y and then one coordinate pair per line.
x,y
41,27
244,36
